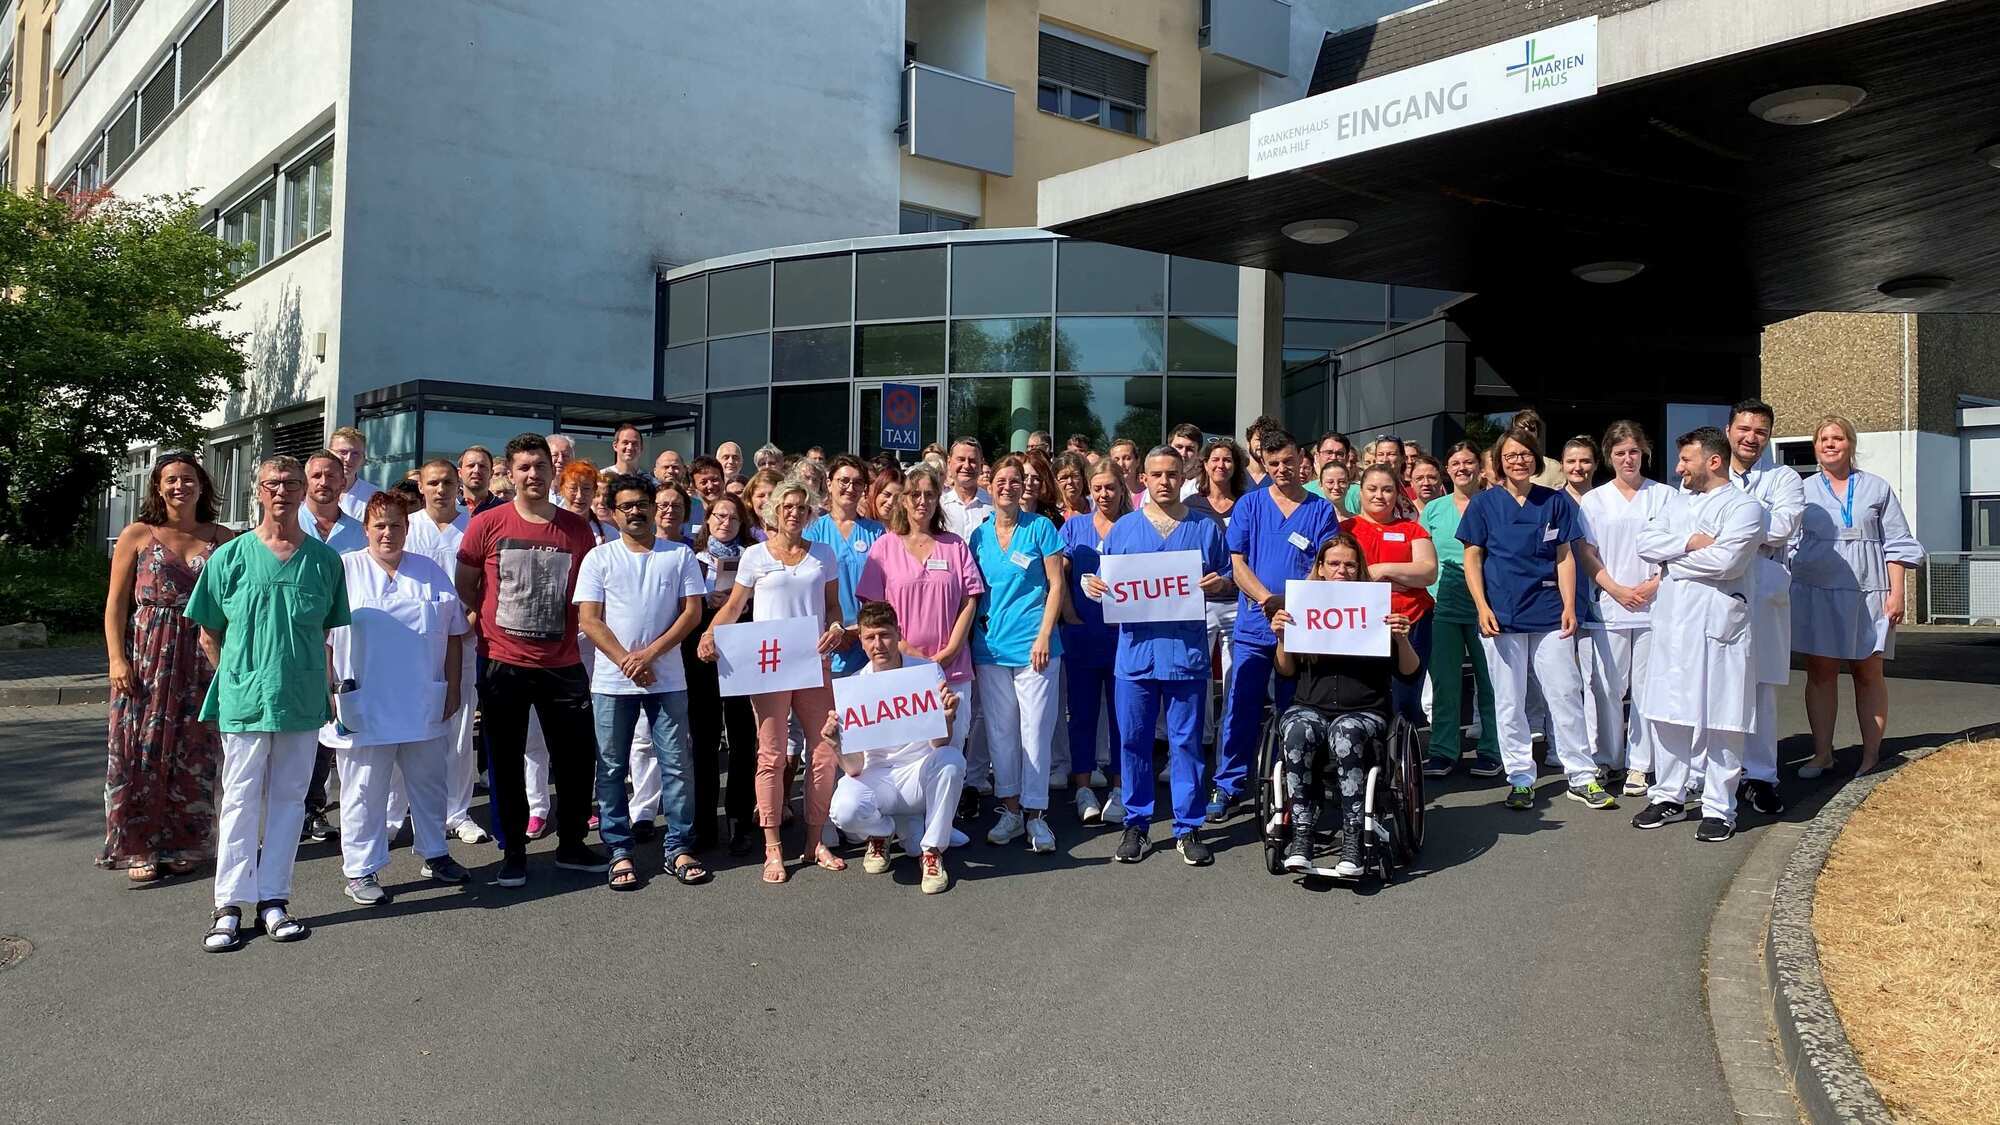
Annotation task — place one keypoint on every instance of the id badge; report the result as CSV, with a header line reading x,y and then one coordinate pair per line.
x,y
1548,535
1020,559
1394,537
1299,541
936,564
1848,534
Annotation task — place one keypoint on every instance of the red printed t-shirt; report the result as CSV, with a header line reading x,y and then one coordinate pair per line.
x,y
1390,543
526,615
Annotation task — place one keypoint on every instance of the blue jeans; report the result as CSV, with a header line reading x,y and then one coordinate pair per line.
x,y
1243,713
667,713
1138,705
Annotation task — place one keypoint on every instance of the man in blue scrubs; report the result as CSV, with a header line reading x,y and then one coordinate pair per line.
x,y
1163,663
1273,533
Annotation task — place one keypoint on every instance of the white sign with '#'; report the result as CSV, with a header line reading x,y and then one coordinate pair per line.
x,y
1337,618
1155,586
1547,68
883,709
759,656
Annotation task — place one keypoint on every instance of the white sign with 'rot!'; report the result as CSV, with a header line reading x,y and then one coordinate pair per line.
x,y
884,709
1155,586
1337,618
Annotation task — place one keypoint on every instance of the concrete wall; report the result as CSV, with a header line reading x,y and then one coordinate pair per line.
x,y
1956,355
1838,363
131,58
517,173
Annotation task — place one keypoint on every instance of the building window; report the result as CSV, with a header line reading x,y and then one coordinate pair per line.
x,y
1093,82
1982,523
309,198
253,224
48,69
921,220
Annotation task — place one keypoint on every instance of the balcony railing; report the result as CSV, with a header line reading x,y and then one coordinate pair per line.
x,y
957,119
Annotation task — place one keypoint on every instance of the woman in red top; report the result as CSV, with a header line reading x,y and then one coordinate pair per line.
x,y
1400,551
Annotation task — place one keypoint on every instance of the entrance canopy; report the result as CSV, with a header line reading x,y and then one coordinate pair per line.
x,y
1734,218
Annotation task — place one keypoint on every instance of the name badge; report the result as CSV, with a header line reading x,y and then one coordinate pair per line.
x,y
860,548
1548,535
1299,541
1393,537
1848,534
1548,583
936,564
1020,559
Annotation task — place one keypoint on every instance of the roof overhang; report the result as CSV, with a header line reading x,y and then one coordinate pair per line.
x,y
1665,166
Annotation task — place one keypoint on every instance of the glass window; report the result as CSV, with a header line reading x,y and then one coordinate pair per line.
x,y
739,300
1049,98
1109,343
1000,277
1206,401
871,420
686,369
1123,118
1018,344
448,432
687,310
309,199
739,417
1310,295
1094,277
323,193
253,224
812,353
1323,336
1084,107
392,445
1196,286
888,350
1000,412
740,361
802,417
815,291
910,220
1201,343
1408,302
899,284
1102,408
950,222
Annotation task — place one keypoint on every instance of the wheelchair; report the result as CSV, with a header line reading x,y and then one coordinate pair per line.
x,y
1392,802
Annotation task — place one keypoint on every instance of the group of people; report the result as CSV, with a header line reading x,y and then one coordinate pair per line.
x,y
1636,628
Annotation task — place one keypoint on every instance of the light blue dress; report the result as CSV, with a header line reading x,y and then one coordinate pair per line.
x,y
1840,573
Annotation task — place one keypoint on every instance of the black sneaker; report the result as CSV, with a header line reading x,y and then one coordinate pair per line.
x,y
1659,814
741,842
445,869
1761,796
1133,847
968,805
582,857
513,872
1219,803
1349,866
1194,853
1714,830
1299,853
318,828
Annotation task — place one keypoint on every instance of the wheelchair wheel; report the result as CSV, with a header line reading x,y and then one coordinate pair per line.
x,y
1408,761
1270,798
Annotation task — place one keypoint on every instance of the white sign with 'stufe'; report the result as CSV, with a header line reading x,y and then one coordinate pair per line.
x,y
759,656
1155,586
1550,67
882,709
1337,618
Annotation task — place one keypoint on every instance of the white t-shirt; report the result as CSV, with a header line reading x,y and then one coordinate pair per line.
x,y
1613,524
393,650
355,500
782,592
641,592
892,756
961,516
439,544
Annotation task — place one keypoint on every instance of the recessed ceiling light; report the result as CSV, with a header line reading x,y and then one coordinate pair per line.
x,y
1990,154
1914,288
1608,273
1807,105
1319,232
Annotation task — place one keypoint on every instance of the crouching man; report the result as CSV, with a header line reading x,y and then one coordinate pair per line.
x,y
910,790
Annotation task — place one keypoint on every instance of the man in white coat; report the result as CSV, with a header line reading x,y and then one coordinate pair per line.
x,y
1701,695
1782,492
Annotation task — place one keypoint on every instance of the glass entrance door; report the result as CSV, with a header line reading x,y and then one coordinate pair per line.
x,y
868,422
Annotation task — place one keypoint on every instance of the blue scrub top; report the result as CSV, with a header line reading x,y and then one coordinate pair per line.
x,y
1520,544
1092,644
849,554
1167,650
1264,538
1017,589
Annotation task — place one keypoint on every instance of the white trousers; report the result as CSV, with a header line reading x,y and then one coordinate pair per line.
x,y
259,813
1687,752
1510,658
535,767
1614,662
915,801
1760,746
1019,709
1221,629
645,773
461,757
365,773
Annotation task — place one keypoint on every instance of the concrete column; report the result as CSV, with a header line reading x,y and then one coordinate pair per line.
x,y
1260,344
1021,416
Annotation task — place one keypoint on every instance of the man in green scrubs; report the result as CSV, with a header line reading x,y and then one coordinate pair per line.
x,y
265,602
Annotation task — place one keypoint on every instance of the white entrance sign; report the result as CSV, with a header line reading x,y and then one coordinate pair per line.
x,y
1155,586
883,709
1338,618
759,656
1535,71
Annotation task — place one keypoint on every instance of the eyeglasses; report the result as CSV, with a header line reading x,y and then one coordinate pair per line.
x,y
1518,455
277,487
631,506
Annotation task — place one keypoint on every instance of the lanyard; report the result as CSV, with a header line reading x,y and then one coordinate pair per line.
x,y
1846,504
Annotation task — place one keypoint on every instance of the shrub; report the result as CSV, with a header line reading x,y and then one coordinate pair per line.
x,y
61,588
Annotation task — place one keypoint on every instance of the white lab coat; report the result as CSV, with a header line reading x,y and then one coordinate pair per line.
x,y
1703,671
1781,491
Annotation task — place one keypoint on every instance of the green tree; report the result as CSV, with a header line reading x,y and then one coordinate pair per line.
x,y
107,340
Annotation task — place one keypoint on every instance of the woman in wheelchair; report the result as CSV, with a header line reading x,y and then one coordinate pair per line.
x,y
1341,705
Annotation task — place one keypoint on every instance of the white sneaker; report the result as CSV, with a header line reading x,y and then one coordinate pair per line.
x,y
469,832
1087,808
1114,809
1058,779
1097,779
1008,828
1348,869
1635,783
1041,838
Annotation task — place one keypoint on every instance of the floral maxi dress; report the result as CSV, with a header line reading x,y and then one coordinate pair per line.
x,y
159,781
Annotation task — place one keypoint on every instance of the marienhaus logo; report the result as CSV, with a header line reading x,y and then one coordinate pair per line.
x,y
1542,72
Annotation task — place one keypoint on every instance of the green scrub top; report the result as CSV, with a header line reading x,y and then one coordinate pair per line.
x,y
1454,602
273,617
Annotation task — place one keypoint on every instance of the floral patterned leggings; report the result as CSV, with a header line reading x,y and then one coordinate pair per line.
x,y
1305,735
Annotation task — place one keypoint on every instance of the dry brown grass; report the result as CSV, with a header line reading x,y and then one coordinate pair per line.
x,y
1907,915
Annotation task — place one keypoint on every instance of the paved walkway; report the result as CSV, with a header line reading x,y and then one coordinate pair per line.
x,y
1541,966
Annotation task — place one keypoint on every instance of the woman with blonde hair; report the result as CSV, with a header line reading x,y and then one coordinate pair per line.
x,y
1849,579
757,495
